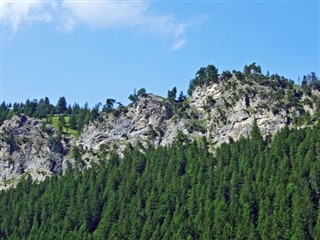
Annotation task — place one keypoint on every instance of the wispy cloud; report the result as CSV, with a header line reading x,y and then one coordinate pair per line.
x,y
104,14
179,44
99,15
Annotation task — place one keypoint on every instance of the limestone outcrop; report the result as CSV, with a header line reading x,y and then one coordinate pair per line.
x,y
218,111
28,147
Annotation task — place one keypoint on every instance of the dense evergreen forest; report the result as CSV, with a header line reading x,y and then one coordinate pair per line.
x,y
249,189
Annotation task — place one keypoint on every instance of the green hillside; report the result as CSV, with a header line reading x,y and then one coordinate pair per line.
x,y
67,131
251,189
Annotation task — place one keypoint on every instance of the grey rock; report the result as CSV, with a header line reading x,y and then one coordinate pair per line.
x,y
26,148
234,107
219,112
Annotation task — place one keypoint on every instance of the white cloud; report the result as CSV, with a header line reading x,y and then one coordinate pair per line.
x,y
118,14
100,14
16,13
104,14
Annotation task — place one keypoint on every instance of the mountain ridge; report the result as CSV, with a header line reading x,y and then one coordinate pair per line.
x,y
221,108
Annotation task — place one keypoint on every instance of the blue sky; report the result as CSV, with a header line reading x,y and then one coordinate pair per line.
x,y
89,51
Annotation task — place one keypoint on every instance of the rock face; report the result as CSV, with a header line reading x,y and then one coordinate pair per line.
x,y
218,111
148,120
229,114
28,146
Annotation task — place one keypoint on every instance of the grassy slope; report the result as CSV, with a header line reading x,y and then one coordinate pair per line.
x,y
66,128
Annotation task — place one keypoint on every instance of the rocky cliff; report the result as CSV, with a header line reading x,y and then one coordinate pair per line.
x,y
29,147
219,111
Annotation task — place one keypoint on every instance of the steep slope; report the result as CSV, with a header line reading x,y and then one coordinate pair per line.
x,y
249,189
149,119
219,111
221,108
29,147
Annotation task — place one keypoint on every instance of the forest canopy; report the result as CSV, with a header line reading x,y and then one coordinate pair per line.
x,y
250,189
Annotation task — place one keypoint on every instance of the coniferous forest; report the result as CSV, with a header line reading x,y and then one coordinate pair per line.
x,y
154,120
249,189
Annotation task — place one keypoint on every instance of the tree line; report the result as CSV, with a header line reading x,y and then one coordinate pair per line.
x,y
44,109
252,72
